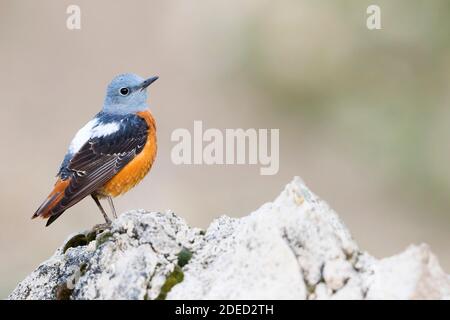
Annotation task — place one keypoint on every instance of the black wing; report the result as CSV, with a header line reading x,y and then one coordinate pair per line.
x,y
99,160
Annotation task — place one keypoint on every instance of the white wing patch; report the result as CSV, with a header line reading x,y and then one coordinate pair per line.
x,y
92,129
82,136
105,129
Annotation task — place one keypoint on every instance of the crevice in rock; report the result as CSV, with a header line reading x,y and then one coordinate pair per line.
x,y
63,292
310,287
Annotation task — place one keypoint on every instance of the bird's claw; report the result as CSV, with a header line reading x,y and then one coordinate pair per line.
x,y
99,228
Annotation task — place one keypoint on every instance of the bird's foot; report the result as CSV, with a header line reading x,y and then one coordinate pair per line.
x,y
99,228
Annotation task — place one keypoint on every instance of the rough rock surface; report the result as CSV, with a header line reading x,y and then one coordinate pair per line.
x,y
293,248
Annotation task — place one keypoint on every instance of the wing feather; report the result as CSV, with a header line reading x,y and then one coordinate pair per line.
x,y
99,159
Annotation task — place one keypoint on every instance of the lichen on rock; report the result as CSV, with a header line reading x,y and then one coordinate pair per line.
x,y
295,247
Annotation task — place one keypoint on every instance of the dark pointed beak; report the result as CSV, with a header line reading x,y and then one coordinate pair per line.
x,y
148,82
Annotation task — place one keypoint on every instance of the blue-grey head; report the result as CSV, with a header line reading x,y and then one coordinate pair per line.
x,y
127,94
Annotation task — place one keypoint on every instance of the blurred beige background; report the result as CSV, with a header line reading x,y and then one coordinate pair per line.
x,y
364,115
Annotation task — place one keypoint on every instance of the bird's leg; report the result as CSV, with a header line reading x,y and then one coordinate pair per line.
x,y
111,204
108,221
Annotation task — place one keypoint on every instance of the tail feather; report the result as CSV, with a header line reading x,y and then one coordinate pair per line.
x,y
53,217
46,208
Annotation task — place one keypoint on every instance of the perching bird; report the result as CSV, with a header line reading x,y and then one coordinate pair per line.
x,y
110,154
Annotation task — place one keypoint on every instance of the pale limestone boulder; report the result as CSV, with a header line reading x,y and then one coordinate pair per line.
x,y
295,247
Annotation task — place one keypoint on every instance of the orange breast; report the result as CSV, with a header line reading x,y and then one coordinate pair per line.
x,y
137,168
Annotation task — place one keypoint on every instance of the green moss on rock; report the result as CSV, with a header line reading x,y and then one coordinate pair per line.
x,y
102,238
76,241
174,278
183,257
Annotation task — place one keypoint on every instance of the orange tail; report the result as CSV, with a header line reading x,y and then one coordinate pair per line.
x,y
45,210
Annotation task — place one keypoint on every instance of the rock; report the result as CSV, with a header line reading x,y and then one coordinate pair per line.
x,y
293,248
131,260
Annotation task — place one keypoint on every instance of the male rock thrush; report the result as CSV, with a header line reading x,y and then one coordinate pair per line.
x,y
110,154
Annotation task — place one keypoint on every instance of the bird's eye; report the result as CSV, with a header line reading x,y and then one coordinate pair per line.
x,y
124,91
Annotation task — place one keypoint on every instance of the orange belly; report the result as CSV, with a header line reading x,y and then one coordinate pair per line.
x,y
137,168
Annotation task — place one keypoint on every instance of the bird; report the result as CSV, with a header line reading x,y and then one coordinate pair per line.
x,y
111,154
